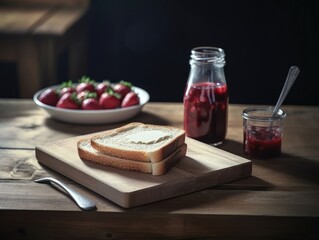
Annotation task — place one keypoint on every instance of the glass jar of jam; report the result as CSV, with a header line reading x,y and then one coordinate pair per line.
x,y
206,96
262,132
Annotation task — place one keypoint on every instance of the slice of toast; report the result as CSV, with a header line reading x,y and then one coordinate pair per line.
x,y
87,152
140,142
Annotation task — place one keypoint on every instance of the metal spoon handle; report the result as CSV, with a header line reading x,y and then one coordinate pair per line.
x,y
291,77
83,202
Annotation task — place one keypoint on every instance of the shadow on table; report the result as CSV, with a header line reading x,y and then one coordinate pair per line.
x,y
233,147
287,165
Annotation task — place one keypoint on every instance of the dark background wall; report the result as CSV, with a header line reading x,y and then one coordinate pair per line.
x,y
149,43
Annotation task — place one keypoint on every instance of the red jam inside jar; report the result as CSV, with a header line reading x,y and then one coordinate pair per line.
x,y
262,142
205,112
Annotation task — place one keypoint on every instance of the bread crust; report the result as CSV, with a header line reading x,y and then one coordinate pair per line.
x,y
159,168
106,160
154,156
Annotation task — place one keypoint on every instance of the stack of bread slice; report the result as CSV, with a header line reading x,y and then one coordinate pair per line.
x,y
136,146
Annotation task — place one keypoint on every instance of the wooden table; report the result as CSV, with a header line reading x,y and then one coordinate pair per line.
x,y
280,200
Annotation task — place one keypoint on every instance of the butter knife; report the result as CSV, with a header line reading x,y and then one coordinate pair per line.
x,y
83,202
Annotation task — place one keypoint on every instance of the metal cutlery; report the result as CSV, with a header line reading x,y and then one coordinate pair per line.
x,y
83,202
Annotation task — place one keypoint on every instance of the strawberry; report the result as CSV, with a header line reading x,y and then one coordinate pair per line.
x,y
67,87
85,95
90,104
49,97
110,100
68,100
85,84
123,88
130,99
102,87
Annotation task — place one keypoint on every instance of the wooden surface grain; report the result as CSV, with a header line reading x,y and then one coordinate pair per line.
x,y
279,201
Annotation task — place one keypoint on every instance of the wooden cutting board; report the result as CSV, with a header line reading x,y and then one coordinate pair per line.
x,y
203,166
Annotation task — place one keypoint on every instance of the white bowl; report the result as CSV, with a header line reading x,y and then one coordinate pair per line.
x,y
93,116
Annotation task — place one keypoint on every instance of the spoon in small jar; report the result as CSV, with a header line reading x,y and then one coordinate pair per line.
x,y
290,79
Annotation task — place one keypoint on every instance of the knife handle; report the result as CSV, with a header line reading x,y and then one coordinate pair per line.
x,y
83,202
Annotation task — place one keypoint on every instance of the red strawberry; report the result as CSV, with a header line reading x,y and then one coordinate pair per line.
x,y
109,100
85,95
69,101
130,99
49,97
91,104
66,90
67,87
86,84
102,87
123,88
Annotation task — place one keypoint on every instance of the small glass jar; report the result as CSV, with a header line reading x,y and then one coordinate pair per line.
x,y
206,96
262,132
